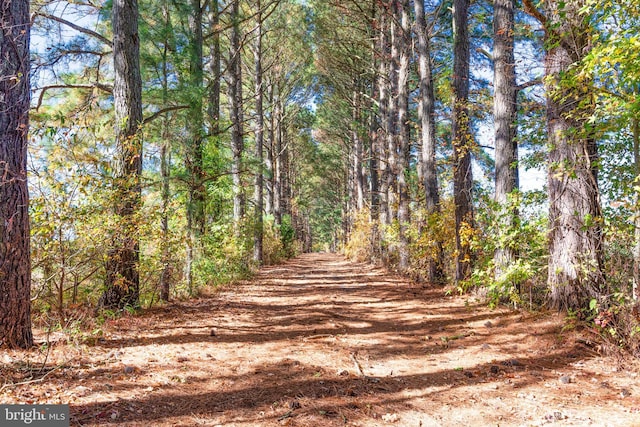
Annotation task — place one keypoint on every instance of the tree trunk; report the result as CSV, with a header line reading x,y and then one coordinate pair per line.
x,y
214,70
195,124
374,184
462,140
575,235
392,117
504,112
426,117
357,150
285,164
194,141
258,190
383,101
270,151
122,277
165,170
277,161
235,102
15,261
404,37
635,124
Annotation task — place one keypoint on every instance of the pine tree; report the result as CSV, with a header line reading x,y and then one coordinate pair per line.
x,y
15,261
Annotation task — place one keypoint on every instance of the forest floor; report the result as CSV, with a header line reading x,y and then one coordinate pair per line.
x,y
320,341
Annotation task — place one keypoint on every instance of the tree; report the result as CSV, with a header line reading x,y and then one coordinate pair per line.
x,y
395,39
383,112
575,217
213,108
426,113
122,276
504,112
404,146
193,157
15,261
234,73
165,160
259,131
462,140
614,62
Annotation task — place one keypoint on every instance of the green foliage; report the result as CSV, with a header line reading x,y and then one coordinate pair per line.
x,y
287,237
525,235
272,247
615,319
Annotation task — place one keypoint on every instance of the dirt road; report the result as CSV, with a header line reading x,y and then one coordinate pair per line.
x,y
320,341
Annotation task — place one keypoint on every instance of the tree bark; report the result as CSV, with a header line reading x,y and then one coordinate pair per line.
x,y
404,38
215,71
122,277
504,112
235,103
259,133
392,117
270,151
358,176
462,140
426,117
195,124
165,169
277,161
635,128
575,217
383,101
15,261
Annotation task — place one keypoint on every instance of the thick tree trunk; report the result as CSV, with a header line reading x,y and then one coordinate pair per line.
x,y
122,277
15,261
426,117
404,39
575,235
462,140
504,112
259,132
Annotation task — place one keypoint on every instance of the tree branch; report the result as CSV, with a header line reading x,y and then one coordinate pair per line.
x,y
77,28
103,87
485,53
164,110
530,9
528,84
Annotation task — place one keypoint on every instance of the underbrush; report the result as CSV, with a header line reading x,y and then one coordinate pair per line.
x,y
68,282
521,226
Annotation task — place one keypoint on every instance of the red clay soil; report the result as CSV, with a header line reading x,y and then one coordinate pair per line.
x,y
320,341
